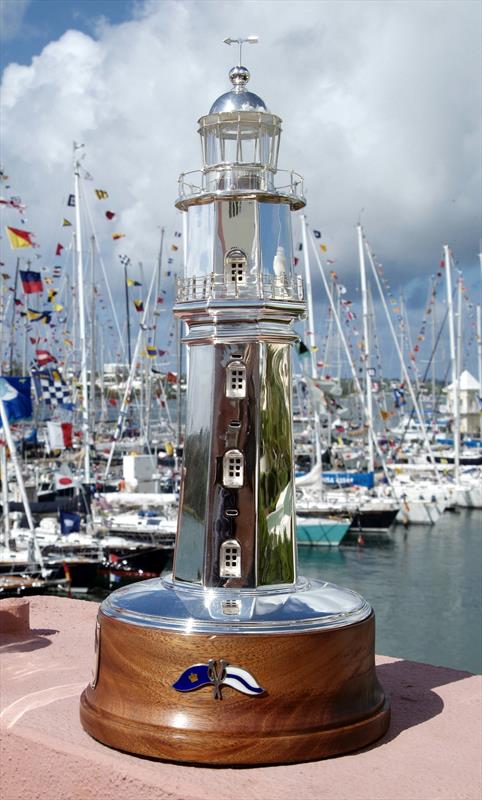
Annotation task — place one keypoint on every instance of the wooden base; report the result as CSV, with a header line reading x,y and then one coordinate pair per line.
x,y
321,698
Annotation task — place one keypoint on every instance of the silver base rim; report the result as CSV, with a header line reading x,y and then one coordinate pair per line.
x,y
169,605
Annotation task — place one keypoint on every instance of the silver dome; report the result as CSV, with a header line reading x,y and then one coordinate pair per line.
x,y
238,99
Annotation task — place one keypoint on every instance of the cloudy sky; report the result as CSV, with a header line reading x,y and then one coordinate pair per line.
x,y
381,108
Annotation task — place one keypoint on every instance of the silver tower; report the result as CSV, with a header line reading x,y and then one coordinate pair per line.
x,y
239,298
235,567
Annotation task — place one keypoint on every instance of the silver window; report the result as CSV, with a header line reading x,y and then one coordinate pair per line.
x,y
236,380
233,469
230,559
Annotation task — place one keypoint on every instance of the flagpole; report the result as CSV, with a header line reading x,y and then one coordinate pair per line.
x,y
21,484
82,336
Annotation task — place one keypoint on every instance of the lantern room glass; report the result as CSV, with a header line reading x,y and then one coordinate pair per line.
x,y
240,138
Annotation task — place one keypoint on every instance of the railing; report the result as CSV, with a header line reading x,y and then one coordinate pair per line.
x,y
220,287
238,177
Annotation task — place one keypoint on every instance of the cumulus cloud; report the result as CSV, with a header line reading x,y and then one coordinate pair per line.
x,y
380,102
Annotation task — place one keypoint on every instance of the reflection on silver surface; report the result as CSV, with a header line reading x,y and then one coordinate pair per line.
x,y
236,227
95,670
232,493
190,541
167,604
276,517
258,229
200,240
274,222
238,99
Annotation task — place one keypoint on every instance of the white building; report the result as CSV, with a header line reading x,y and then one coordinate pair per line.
x,y
469,403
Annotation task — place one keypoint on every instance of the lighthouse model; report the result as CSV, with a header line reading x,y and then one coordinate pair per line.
x,y
235,658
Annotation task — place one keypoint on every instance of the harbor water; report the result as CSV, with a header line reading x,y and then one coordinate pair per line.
x,y
423,582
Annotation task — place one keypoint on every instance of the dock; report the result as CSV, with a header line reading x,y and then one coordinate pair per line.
x,y
433,748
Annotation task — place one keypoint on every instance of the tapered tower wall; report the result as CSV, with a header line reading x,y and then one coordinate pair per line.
x,y
238,530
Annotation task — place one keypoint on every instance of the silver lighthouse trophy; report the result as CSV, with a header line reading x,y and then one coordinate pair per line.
x,y
235,658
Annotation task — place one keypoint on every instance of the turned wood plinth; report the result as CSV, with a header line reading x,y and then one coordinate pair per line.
x,y
321,697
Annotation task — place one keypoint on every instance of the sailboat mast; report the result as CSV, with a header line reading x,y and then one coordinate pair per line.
x,y
128,316
406,376
14,307
4,478
159,266
366,349
311,331
74,309
93,343
128,387
434,363
82,334
459,328
479,354
309,299
453,362
21,484
155,327
25,338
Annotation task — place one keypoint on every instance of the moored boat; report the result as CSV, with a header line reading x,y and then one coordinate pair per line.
x,y
321,531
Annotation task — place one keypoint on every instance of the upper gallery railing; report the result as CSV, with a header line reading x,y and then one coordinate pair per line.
x,y
237,177
220,287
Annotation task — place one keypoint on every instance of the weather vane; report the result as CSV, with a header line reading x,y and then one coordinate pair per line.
x,y
249,40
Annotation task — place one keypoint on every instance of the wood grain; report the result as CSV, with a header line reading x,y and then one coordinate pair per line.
x,y
321,695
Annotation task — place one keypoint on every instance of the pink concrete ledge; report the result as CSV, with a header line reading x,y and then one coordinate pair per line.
x,y
433,750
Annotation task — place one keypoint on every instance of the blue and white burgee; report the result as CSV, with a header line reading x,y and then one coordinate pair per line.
x,y
217,674
241,680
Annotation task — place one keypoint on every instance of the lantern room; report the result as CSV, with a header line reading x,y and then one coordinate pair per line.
x,y
238,226
240,139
